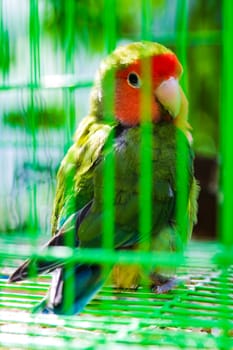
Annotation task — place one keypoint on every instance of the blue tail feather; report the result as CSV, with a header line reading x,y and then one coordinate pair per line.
x,y
88,279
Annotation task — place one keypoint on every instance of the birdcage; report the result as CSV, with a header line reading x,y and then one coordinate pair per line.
x,y
50,50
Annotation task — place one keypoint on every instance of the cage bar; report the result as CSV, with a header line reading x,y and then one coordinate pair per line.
x,y
226,127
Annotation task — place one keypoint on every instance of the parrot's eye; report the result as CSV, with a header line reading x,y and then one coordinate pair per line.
x,y
134,80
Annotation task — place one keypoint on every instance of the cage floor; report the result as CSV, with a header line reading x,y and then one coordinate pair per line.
x,y
197,314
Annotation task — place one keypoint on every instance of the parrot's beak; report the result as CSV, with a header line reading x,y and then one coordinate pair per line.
x,y
169,95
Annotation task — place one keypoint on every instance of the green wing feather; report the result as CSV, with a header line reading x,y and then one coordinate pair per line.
x,y
75,176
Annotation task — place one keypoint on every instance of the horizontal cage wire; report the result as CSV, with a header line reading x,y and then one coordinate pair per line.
x,y
50,52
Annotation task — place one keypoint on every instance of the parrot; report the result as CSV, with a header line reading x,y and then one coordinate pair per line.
x,y
78,205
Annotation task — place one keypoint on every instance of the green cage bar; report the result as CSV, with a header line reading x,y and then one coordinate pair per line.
x,y
182,152
145,184
34,48
226,126
109,28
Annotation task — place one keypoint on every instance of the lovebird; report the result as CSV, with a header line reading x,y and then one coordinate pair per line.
x,y
137,83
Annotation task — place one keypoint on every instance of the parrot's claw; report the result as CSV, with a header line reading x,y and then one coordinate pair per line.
x,y
163,284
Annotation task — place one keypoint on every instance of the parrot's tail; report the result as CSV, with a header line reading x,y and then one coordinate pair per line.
x,y
71,289
35,265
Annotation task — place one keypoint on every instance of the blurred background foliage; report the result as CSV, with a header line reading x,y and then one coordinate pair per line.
x,y
82,22
204,69
71,41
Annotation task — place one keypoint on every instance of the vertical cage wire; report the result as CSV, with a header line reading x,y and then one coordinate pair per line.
x,y
145,156
108,222
34,47
182,150
69,106
69,66
107,226
226,166
226,127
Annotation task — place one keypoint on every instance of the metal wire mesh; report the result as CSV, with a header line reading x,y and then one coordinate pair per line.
x,y
198,313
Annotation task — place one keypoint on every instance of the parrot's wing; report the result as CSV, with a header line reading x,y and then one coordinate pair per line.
x,y
74,179
186,152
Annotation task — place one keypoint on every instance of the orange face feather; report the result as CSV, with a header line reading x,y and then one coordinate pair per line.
x,y
128,93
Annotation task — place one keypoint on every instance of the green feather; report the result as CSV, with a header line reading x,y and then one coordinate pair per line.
x,y
75,176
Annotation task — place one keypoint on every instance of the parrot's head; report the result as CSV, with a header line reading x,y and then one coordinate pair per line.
x,y
139,77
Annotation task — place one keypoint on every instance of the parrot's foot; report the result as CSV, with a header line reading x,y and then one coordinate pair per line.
x,y
162,284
